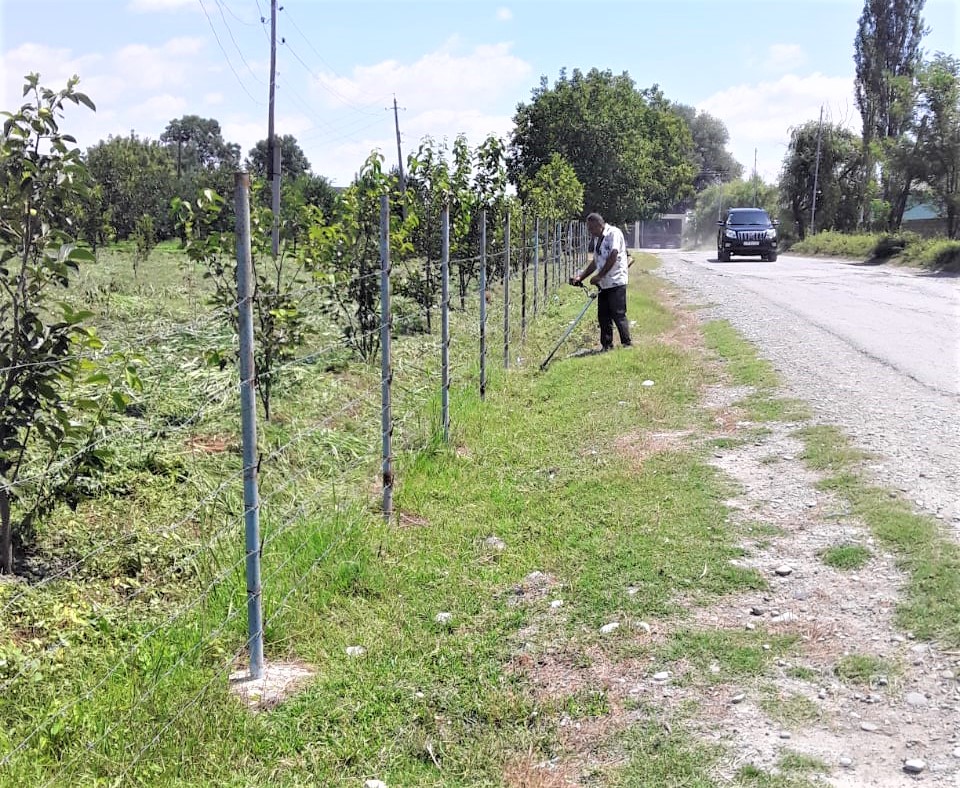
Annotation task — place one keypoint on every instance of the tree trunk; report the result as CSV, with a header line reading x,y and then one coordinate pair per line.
x,y
6,535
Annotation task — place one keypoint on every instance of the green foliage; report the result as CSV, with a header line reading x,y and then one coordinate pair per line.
x,y
939,135
145,237
887,57
281,292
554,192
345,258
293,161
629,148
138,178
838,177
709,154
197,143
55,398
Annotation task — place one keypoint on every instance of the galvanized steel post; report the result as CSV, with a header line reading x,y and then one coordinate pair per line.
x,y
386,360
248,425
483,304
445,319
506,293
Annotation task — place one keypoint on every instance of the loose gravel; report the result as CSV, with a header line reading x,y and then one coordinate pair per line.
x,y
909,427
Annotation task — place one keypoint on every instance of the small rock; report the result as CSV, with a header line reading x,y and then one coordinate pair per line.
x,y
495,543
784,734
356,651
916,699
374,784
714,668
784,618
956,753
822,694
739,698
647,383
644,627
663,675
556,603
914,766
869,727
882,681
632,591
750,625
443,618
949,675
846,762
757,611
783,571
613,626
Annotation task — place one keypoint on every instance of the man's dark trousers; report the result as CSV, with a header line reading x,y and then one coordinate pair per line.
x,y
612,308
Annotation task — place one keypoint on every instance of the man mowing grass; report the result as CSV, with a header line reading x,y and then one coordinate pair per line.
x,y
610,262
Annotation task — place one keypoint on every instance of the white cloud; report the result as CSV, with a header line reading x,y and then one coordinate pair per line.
x,y
151,6
158,110
785,57
444,78
213,99
504,14
760,115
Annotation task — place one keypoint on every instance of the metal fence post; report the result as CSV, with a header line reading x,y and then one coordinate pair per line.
x,y
536,263
546,266
248,423
445,319
506,293
386,360
483,304
523,278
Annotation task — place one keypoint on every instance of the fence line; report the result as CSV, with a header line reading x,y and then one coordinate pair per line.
x,y
277,484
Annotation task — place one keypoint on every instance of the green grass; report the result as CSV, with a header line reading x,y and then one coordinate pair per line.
x,y
791,711
742,363
931,605
846,556
863,669
426,704
738,654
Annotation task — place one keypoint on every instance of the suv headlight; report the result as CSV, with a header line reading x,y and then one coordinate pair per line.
x,y
771,234
730,233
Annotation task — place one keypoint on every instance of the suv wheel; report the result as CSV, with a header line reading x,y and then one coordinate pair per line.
x,y
723,257
772,257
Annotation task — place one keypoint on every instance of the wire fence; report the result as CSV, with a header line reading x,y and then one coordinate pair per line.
x,y
202,583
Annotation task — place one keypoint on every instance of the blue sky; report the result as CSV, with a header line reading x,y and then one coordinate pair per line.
x,y
454,66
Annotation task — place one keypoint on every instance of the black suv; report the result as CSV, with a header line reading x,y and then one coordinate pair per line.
x,y
747,231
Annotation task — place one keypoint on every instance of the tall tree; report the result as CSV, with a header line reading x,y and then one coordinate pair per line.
x,y
887,56
939,134
197,142
138,178
629,149
293,161
714,163
837,177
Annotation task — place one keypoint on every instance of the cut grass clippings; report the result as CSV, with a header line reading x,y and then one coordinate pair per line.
x,y
427,703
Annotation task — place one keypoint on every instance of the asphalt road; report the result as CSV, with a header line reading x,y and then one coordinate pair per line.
x,y
873,349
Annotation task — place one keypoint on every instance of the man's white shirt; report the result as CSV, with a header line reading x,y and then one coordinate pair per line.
x,y
612,239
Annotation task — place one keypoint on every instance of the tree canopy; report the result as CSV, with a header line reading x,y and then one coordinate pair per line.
x,y
629,148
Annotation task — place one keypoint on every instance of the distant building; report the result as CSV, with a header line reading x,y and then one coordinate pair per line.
x,y
664,231
924,219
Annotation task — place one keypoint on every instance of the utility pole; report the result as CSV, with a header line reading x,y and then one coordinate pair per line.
x,y
403,180
816,175
755,178
273,152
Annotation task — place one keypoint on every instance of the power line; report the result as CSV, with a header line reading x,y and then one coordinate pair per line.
x,y
226,24
225,55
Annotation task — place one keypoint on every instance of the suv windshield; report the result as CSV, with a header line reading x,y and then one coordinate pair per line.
x,y
748,217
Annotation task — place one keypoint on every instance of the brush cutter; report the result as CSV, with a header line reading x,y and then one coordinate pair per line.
x,y
591,297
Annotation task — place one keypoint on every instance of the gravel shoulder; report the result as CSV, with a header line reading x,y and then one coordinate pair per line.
x,y
872,351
